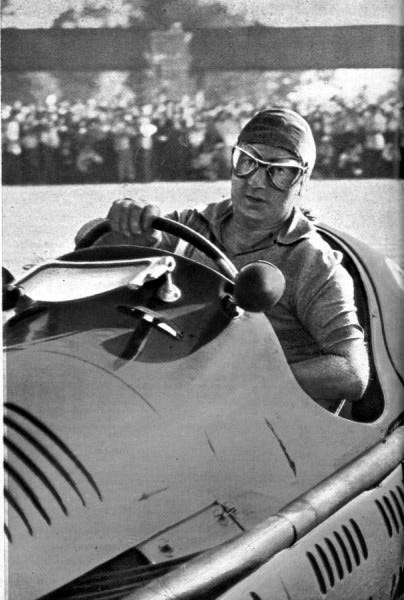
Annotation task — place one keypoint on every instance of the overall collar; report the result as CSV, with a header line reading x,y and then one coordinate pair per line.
x,y
296,228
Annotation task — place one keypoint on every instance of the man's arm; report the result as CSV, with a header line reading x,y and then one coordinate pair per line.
x,y
341,373
130,223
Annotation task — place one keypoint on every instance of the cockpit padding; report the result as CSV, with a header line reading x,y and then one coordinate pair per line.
x,y
370,406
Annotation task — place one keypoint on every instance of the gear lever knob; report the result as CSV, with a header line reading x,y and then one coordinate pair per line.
x,y
259,286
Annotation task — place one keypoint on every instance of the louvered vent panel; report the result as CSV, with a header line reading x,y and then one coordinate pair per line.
x,y
391,509
338,555
37,462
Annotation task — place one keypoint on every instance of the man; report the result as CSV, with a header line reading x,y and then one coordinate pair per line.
x,y
315,320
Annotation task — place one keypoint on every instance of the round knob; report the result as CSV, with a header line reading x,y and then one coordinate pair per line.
x,y
259,286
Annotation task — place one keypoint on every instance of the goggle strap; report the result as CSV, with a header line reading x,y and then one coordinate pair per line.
x,y
290,163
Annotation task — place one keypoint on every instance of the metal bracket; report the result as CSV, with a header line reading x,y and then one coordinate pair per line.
x,y
159,267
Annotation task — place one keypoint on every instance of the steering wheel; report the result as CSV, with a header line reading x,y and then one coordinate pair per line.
x,y
181,231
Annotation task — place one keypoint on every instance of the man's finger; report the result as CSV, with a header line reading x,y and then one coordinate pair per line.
x,y
123,217
113,216
146,219
134,215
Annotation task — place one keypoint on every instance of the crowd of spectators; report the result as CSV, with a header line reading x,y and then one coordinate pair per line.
x,y
95,142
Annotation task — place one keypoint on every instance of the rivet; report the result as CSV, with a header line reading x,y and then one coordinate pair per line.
x,y
166,548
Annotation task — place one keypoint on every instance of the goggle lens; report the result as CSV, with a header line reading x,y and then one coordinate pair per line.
x,y
243,164
283,176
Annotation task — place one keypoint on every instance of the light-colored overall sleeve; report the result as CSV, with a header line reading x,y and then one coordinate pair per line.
x,y
324,299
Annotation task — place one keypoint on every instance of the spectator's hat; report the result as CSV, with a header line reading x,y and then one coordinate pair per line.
x,y
282,128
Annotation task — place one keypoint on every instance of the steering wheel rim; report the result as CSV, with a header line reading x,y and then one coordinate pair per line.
x,y
224,264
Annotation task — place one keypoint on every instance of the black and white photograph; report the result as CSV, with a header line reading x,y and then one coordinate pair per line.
x,y
203,300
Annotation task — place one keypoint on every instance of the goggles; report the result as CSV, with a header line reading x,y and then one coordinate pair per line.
x,y
282,174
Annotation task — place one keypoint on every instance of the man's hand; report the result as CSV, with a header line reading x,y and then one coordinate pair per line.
x,y
133,220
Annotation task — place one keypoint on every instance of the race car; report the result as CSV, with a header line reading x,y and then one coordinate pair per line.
x,y
157,445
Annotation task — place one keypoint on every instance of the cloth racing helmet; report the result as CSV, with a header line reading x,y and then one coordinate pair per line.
x,y
282,128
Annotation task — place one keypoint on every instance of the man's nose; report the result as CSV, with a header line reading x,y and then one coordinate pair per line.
x,y
259,179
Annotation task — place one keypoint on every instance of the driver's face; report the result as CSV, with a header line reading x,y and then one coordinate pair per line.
x,y
254,198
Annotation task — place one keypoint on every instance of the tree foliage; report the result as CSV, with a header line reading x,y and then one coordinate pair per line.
x,y
162,14
151,14
7,8
98,13
67,17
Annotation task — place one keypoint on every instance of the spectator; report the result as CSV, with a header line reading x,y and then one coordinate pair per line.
x,y
212,150
178,151
169,140
30,151
66,156
326,159
198,160
87,163
349,161
374,127
147,130
48,145
122,134
160,142
228,127
12,150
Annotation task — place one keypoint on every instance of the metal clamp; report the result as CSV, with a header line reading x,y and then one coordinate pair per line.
x,y
159,267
